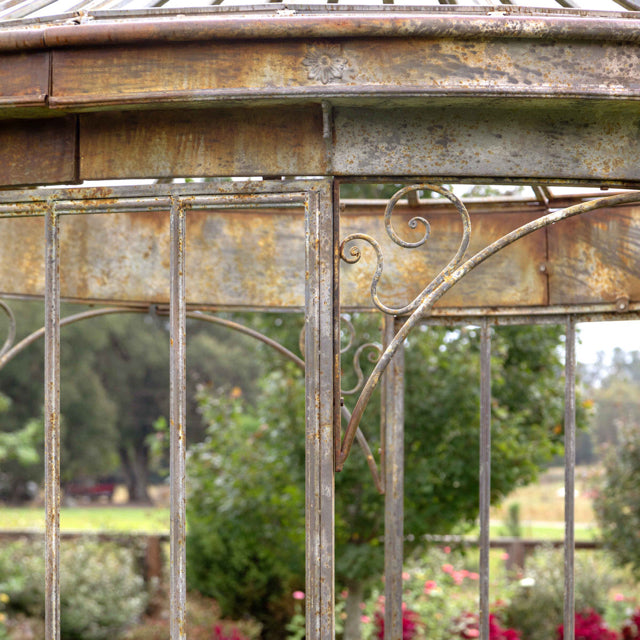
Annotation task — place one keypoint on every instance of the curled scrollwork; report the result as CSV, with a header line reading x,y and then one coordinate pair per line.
x,y
11,333
375,351
351,253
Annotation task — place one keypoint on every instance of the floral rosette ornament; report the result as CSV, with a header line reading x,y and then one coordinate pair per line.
x,y
325,63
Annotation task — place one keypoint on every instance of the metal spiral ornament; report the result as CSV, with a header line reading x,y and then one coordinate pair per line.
x,y
351,253
375,351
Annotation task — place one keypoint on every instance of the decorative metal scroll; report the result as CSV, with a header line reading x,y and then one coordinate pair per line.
x,y
355,254
447,278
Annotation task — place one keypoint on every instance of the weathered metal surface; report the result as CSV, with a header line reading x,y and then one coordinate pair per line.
x,y
501,139
393,430
569,475
226,142
254,69
178,412
308,21
320,379
25,79
485,477
595,258
38,151
591,140
52,425
124,257
513,275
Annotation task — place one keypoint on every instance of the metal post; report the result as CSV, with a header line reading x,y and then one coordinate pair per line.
x,y
485,474
320,384
52,425
393,399
177,315
569,476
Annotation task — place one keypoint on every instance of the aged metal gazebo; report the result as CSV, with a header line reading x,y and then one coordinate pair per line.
x,y
297,100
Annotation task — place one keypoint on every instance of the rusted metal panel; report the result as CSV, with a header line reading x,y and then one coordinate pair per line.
x,y
353,67
498,139
38,151
234,258
256,259
222,142
511,277
595,257
24,79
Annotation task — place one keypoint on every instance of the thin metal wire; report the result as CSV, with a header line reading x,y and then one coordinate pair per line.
x,y
485,474
177,314
52,425
569,476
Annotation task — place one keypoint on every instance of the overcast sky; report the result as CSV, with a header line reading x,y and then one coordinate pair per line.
x,y
606,336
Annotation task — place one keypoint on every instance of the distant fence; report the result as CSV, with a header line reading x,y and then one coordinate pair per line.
x,y
518,549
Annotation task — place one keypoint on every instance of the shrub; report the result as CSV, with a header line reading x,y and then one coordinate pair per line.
x,y
246,540
101,591
543,587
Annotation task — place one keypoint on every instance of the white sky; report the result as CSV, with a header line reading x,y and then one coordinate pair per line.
x,y
606,336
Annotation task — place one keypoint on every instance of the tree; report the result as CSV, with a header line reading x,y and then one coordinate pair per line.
x,y
441,451
617,499
114,387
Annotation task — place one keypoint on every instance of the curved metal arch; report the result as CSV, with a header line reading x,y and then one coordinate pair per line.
x,y
432,293
10,351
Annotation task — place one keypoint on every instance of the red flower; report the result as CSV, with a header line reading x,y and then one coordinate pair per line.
x,y
589,626
410,621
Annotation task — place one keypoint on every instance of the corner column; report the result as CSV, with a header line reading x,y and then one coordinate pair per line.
x,y
320,383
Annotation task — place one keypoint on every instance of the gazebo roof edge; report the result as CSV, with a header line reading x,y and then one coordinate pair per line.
x,y
289,23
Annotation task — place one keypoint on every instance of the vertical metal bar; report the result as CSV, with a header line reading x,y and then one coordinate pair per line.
x,y
319,409
52,425
485,474
177,313
569,476
393,397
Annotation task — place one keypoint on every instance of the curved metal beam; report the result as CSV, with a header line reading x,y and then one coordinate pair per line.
x,y
427,303
9,354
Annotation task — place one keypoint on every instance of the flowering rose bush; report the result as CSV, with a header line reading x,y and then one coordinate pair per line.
x,y
410,624
589,626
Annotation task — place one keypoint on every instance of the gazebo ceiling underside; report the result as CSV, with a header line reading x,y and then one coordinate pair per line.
x,y
459,96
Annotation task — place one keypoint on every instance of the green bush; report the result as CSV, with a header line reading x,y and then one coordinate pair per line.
x,y
245,539
542,590
101,590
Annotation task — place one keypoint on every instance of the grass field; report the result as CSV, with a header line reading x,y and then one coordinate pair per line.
x,y
541,513
90,518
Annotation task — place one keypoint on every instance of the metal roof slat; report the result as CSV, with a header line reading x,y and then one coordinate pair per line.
x,y
24,9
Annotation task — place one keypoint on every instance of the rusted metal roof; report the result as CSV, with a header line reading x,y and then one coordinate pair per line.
x,y
63,10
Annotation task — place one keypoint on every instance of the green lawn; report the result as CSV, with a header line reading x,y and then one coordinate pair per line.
x,y
156,520
100,518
